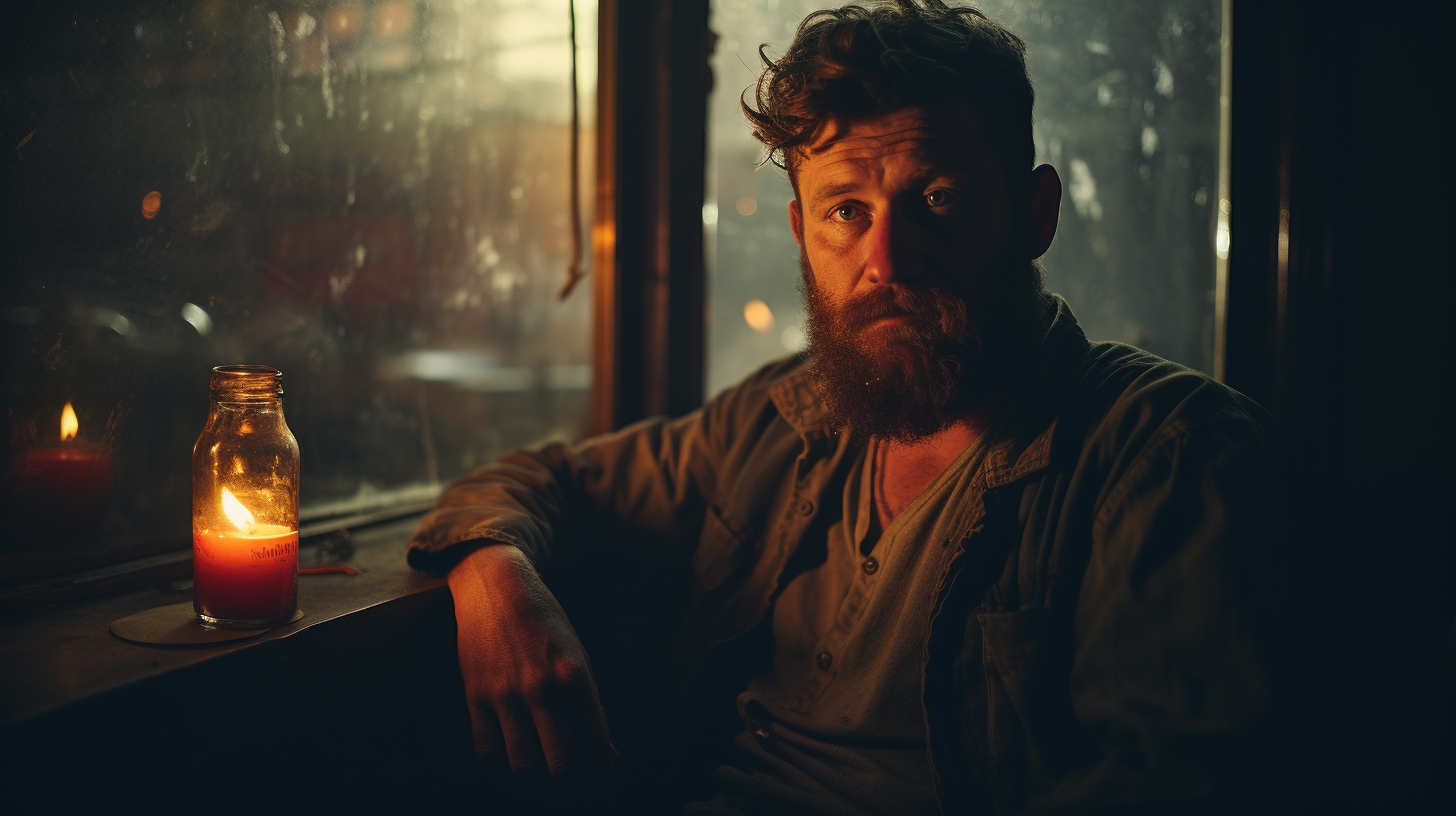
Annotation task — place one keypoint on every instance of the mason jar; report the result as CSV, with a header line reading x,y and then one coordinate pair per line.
x,y
245,504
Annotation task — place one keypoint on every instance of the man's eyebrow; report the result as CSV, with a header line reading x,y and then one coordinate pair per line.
x,y
927,172
832,191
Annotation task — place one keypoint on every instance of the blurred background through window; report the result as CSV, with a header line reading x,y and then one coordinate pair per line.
x,y
370,196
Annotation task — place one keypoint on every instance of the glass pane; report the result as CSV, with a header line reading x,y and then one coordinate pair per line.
x,y
370,196
1126,110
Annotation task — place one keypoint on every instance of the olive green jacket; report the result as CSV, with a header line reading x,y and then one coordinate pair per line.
x,y
1095,643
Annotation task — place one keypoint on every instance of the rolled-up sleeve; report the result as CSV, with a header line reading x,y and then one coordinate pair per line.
x,y
650,482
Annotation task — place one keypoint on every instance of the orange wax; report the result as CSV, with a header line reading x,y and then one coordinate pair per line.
x,y
237,575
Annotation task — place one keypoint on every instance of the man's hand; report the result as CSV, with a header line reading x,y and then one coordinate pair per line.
x,y
532,699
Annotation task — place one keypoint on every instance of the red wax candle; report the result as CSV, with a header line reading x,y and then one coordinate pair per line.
x,y
65,486
245,504
240,575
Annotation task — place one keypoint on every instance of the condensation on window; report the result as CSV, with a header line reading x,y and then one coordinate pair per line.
x,y
1126,110
370,196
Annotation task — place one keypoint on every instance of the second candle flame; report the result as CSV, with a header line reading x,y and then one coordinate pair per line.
x,y
69,425
239,515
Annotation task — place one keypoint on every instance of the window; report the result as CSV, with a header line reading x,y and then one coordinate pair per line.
x,y
370,196
1127,110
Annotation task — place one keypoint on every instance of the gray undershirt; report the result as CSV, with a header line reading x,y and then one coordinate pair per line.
x,y
835,724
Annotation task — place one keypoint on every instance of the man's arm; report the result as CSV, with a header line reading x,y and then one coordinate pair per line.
x,y
532,699
646,482
528,683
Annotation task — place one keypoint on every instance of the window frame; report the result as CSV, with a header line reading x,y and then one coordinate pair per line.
x,y
648,349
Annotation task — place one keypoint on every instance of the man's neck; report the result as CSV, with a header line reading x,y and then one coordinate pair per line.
x,y
904,469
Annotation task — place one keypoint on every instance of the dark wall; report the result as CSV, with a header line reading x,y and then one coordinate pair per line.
x,y
1347,343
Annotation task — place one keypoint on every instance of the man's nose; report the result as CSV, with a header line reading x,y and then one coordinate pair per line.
x,y
895,250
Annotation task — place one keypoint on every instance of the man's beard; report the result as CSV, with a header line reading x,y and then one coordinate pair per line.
x,y
947,360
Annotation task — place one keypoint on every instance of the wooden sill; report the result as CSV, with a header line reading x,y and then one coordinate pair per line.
x,y
88,719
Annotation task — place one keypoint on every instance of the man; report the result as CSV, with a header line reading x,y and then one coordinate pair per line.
x,y
955,560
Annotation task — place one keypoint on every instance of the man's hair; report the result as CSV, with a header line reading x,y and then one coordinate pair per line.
x,y
857,63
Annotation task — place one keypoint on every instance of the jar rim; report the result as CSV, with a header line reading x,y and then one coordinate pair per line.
x,y
244,370
246,384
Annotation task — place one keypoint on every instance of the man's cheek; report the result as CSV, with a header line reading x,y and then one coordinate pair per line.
x,y
834,255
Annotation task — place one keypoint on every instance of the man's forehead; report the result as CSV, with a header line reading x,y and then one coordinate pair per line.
x,y
947,135
910,128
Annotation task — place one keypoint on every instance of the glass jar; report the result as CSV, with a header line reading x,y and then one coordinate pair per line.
x,y
245,504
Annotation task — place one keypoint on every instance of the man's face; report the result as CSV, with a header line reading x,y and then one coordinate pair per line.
x,y
917,269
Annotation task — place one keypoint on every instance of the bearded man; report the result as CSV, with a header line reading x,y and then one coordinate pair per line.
x,y
954,559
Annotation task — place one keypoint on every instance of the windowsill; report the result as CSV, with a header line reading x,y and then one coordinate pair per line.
x,y
63,655
345,710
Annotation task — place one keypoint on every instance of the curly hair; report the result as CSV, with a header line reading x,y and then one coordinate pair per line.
x,y
855,63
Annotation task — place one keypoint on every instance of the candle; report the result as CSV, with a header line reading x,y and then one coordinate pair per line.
x,y
245,504
65,486
247,573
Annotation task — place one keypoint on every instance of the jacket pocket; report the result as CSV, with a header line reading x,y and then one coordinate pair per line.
x,y
721,550
1015,643
1031,720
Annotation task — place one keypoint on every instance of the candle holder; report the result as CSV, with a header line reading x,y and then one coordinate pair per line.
x,y
245,504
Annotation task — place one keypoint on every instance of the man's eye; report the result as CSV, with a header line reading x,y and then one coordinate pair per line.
x,y
847,212
939,197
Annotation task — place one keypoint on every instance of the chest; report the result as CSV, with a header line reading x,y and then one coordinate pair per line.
x,y
903,472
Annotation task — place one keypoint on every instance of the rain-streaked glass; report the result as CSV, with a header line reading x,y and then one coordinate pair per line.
x,y
1126,110
369,196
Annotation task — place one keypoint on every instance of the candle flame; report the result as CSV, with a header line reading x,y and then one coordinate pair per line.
x,y
69,425
236,512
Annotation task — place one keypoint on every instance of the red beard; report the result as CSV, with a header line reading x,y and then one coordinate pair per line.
x,y
934,365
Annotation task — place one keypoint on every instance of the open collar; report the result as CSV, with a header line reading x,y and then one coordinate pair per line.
x,y
797,398
1024,427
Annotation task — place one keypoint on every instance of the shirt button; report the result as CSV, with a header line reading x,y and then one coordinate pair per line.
x,y
824,660
806,507
870,566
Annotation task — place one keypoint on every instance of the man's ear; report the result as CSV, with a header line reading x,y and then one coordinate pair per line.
x,y
1046,204
796,222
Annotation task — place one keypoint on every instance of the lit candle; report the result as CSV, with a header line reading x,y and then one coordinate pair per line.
x,y
248,572
66,485
245,504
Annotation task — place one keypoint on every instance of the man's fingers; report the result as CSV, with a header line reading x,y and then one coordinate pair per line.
x,y
572,786
563,761
594,742
523,748
486,731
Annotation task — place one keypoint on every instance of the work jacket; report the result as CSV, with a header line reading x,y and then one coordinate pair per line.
x,y
1095,638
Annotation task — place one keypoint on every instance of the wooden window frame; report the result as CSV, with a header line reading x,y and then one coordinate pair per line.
x,y
647,236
